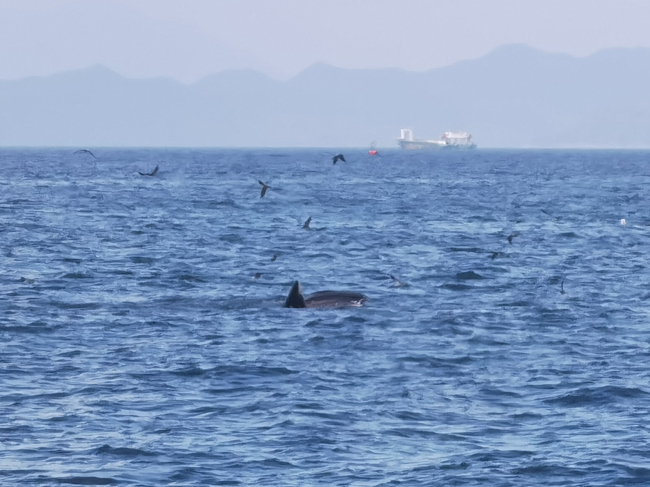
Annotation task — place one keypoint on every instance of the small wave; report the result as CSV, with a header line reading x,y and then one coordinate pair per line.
x,y
219,203
225,370
87,480
120,272
493,391
15,429
272,462
569,235
143,260
207,410
436,362
454,466
469,275
190,372
406,415
35,328
231,238
547,471
123,451
639,474
190,278
527,416
77,275
63,305
597,396
456,287
420,433
474,250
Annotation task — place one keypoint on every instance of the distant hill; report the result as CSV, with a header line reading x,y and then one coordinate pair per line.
x,y
514,96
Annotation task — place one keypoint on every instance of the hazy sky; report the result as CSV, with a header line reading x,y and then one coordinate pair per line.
x,y
188,39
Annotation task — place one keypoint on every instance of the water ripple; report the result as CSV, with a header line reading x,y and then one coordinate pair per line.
x,y
144,342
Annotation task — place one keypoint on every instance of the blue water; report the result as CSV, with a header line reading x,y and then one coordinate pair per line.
x,y
143,340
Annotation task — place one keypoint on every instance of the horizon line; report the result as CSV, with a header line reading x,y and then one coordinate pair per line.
x,y
328,148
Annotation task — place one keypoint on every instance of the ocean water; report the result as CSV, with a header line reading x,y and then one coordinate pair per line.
x,y
143,340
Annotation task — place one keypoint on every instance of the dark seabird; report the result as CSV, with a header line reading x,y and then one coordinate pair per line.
x,y
511,236
323,299
562,291
152,173
84,151
338,157
264,188
306,225
275,256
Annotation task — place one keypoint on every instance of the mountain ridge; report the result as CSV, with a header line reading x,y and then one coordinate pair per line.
x,y
514,96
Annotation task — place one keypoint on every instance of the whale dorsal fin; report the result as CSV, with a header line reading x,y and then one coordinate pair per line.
x,y
295,298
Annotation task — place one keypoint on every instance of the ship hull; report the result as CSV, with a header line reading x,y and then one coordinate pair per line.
x,y
431,145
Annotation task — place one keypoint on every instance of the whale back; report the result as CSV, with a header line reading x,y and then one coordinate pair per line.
x,y
335,299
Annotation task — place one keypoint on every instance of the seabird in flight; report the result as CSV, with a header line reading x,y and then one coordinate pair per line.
x,y
264,188
84,151
338,157
152,173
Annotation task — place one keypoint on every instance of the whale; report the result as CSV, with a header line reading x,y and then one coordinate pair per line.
x,y
323,299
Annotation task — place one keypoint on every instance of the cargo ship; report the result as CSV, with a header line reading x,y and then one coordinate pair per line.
x,y
448,140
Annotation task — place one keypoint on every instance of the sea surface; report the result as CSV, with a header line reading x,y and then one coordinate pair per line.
x,y
143,339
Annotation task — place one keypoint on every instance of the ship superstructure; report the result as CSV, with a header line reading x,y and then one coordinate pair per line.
x,y
448,140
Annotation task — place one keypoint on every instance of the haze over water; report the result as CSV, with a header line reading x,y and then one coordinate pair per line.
x,y
138,347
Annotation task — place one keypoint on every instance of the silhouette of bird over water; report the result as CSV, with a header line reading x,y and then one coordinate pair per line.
x,y
552,216
338,157
306,225
397,282
264,188
152,173
84,151
511,236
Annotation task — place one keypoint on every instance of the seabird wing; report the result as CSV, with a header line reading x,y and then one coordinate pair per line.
x,y
264,188
84,151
